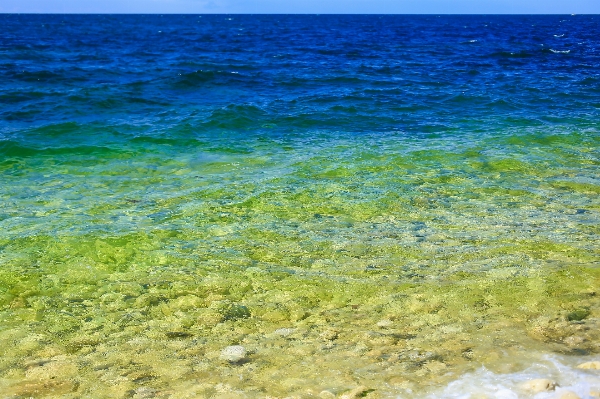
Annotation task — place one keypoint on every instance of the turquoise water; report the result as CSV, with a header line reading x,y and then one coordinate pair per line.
x,y
345,213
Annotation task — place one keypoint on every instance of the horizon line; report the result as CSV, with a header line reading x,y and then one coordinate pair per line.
x,y
263,13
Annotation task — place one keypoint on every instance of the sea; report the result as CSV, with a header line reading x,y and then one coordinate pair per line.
x,y
299,206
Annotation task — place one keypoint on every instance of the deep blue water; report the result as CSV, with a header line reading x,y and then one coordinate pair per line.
x,y
143,74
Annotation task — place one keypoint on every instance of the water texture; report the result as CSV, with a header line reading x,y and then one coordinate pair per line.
x,y
408,204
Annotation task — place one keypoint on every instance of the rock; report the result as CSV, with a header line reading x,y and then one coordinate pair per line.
x,y
139,376
233,354
298,314
595,394
355,393
330,334
284,332
539,385
186,303
386,323
568,395
144,393
210,317
589,366
419,356
435,366
276,315
236,312
578,315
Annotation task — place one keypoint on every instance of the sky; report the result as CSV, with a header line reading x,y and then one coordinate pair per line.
x,y
304,6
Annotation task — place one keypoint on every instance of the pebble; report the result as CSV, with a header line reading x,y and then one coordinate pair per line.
x,y
589,366
384,323
355,393
539,385
284,332
144,393
233,354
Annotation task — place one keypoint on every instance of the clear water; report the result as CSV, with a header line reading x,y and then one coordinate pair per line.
x,y
404,203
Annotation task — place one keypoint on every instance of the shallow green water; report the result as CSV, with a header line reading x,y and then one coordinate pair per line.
x,y
394,262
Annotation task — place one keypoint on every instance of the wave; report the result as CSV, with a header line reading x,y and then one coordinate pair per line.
x,y
561,371
19,96
38,76
13,149
170,141
560,51
236,116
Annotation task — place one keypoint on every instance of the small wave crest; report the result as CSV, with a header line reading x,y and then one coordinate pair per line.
x,y
562,372
560,51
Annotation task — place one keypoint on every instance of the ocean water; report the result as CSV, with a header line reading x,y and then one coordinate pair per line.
x,y
408,204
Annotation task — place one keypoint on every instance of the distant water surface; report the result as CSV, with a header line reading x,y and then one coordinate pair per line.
x,y
404,203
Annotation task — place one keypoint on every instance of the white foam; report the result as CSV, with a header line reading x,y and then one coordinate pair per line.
x,y
484,383
560,51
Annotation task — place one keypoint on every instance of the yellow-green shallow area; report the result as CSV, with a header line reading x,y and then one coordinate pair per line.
x,y
393,263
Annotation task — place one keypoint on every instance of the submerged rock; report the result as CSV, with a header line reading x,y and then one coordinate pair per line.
x,y
539,385
435,366
578,315
589,366
233,354
567,395
236,312
144,393
330,334
386,323
284,332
